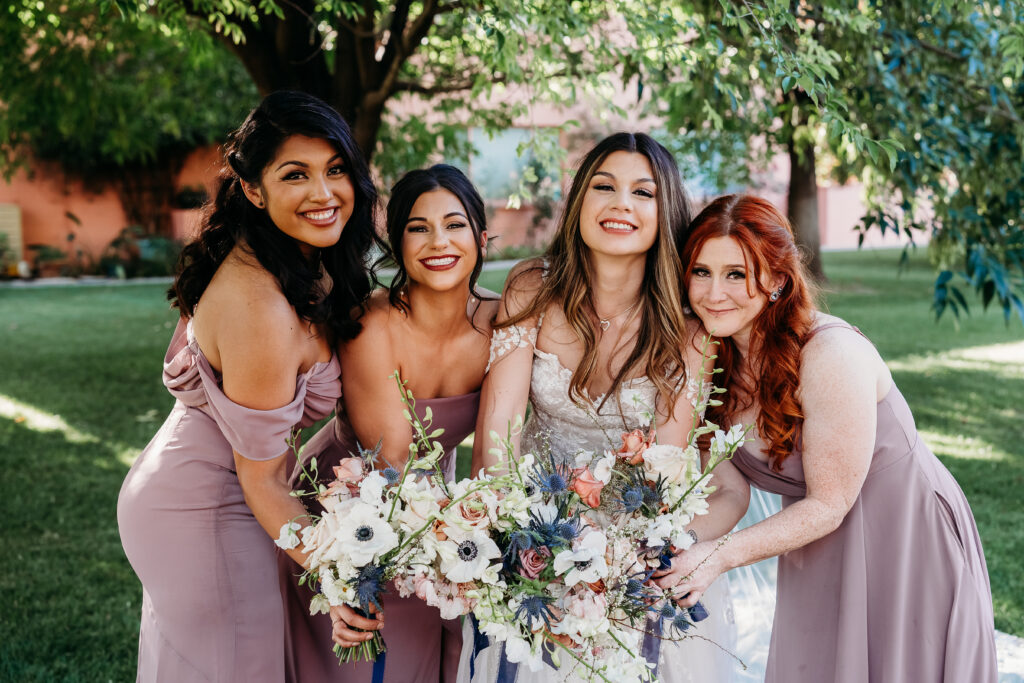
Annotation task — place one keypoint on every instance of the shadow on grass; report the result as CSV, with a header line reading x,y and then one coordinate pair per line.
x,y
71,601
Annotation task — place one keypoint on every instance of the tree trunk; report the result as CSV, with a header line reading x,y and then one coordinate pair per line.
x,y
803,205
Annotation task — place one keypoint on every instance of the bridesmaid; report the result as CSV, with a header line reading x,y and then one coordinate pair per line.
x,y
881,574
433,326
251,358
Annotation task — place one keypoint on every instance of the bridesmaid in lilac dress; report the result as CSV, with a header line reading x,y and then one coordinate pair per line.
x,y
433,326
251,359
881,575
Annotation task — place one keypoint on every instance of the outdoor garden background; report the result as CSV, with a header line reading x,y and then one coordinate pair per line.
x,y
896,123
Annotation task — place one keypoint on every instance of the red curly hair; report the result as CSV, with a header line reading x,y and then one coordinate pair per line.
x,y
780,330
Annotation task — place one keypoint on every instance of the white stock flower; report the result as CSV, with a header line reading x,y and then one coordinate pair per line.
x,y
670,462
319,605
659,530
288,539
371,489
364,534
585,563
466,555
520,651
723,443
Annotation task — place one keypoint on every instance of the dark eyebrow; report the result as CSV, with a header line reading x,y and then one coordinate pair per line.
x,y
410,219
302,164
638,180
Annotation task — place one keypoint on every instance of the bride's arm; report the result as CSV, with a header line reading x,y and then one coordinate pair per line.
x,y
729,502
506,388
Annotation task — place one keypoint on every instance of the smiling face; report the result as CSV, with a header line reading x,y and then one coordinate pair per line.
x,y
720,290
439,247
619,214
306,191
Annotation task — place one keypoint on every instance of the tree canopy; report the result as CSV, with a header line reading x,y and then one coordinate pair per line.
x,y
921,100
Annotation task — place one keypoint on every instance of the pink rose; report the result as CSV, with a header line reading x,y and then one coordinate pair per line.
x,y
531,563
588,488
350,471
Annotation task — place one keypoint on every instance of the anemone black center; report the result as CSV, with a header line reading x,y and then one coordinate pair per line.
x,y
364,533
583,564
467,551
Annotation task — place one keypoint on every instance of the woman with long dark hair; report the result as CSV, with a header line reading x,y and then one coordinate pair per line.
x,y
265,293
433,326
881,575
592,336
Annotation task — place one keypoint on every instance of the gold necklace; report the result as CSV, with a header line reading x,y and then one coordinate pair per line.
x,y
606,322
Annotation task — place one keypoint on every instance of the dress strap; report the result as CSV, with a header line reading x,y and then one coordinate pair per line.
x,y
827,326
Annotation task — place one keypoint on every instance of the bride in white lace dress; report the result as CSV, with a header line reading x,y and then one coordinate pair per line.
x,y
593,336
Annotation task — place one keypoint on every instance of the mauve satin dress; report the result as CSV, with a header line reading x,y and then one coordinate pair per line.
x,y
211,606
899,593
421,646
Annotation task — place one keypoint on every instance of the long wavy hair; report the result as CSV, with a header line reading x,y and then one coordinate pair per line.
x,y
772,373
569,273
327,289
404,194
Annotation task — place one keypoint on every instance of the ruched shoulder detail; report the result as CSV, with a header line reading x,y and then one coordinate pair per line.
x,y
256,434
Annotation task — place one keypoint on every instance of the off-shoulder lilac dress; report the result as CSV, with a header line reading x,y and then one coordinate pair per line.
x,y
211,608
421,646
899,593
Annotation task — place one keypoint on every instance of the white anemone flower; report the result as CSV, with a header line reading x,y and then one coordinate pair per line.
x,y
466,554
364,534
585,563
603,468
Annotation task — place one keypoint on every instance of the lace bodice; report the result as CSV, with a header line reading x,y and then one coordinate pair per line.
x,y
569,427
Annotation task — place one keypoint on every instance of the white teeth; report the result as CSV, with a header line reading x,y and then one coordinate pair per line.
x,y
320,215
442,261
615,225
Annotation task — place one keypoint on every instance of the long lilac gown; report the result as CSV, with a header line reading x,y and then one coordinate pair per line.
x,y
421,647
900,591
211,608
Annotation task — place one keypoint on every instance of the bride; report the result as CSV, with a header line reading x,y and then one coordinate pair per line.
x,y
593,336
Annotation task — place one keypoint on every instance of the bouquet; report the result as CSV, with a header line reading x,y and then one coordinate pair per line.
x,y
554,558
373,526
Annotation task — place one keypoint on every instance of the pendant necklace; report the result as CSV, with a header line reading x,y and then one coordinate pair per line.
x,y
605,323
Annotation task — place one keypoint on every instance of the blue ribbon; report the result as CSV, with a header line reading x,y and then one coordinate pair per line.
x,y
378,667
651,647
480,641
507,671
698,612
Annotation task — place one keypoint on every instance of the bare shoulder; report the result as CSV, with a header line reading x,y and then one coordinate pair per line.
x,y
522,285
838,357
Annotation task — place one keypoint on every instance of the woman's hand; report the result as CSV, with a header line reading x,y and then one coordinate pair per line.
x,y
344,620
691,573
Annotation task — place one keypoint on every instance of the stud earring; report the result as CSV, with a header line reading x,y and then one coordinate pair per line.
x,y
775,295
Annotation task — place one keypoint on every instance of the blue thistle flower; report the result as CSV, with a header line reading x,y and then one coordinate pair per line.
x,y
550,477
680,622
667,611
536,608
391,475
632,499
369,587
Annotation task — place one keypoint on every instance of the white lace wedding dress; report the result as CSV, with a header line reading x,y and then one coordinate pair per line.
x,y
567,428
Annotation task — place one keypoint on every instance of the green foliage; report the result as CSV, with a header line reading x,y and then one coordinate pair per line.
x,y
921,100
95,93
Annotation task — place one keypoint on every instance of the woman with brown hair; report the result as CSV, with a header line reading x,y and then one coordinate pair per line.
x,y
593,337
881,574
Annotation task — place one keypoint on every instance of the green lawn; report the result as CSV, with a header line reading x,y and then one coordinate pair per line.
x,y
80,395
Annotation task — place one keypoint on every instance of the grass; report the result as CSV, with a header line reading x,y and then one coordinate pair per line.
x,y
80,396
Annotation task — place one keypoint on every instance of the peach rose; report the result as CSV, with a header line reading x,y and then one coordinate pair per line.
x,y
588,488
634,444
347,475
